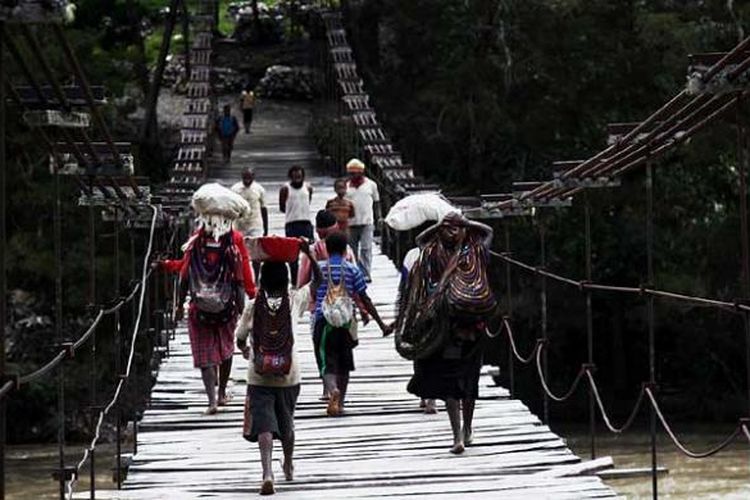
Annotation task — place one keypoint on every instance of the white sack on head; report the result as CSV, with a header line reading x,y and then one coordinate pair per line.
x,y
214,200
414,210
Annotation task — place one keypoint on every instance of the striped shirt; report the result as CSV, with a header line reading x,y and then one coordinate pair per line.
x,y
355,280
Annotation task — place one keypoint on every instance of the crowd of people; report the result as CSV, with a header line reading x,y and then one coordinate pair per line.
x,y
436,326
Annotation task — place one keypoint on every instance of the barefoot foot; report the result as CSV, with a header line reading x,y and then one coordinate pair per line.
x,y
430,408
468,436
267,487
288,470
334,404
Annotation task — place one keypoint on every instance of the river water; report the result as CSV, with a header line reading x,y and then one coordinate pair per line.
x,y
29,470
724,476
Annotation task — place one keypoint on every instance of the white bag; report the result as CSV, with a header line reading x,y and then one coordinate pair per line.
x,y
413,211
214,199
337,306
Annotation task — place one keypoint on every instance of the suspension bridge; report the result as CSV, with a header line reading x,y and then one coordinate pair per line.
x,y
384,446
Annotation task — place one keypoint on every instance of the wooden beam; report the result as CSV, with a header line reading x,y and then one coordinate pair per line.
x,y
34,12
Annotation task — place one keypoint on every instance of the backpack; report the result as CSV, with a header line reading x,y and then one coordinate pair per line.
x,y
227,125
213,289
337,306
273,338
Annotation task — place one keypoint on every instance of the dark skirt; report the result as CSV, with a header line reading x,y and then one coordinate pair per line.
x,y
450,373
333,349
269,409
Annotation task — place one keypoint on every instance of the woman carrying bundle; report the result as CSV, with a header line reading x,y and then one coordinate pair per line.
x,y
215,270
442,315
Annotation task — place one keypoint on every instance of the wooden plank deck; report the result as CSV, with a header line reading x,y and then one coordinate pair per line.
x,y
383,447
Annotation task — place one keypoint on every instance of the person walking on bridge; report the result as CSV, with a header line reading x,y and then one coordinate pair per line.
x,y
266,337
226,128
442,318
294,202
365,197
247,103
215,269
334,312
341,206
255,223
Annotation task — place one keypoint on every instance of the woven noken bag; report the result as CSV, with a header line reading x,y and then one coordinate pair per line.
x,y
337,306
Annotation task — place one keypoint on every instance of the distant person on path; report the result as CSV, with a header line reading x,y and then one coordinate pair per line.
x,y
215,269
267,337
340,206
363,193
247,103
255,224
442,318
340,281
227,129
294,202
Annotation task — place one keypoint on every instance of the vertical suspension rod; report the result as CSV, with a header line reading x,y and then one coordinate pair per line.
x,y
651,320
589,322
3,283
57,231
118,347
742,157
509,295
92,303
543,296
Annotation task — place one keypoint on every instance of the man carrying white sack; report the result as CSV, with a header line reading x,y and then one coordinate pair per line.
x,y
363,193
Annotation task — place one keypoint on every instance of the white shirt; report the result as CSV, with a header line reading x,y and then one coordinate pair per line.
x,y
297,203
363,198
255,195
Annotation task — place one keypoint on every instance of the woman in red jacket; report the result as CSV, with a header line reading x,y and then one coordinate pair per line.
x,y
217,273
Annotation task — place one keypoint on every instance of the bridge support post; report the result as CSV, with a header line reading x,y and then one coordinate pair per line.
x,y
93,374
57,234
742,158
651,320
3,284
543,297
589,321
509,294
118,350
